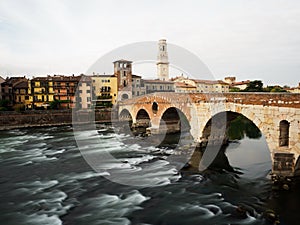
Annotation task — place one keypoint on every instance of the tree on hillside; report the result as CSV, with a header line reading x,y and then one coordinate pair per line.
x,y
276,88
234,89
254,86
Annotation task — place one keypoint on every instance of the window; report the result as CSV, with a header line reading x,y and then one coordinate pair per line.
x,y
284,133
88,91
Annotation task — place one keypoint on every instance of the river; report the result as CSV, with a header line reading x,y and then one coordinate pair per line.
x,y
45,180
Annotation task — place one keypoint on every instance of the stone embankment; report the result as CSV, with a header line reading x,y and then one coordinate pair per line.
x,y
40,118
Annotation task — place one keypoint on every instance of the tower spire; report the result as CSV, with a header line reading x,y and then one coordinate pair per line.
x,y
162,61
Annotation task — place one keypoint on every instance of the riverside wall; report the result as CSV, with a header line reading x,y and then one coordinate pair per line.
x,y
40,118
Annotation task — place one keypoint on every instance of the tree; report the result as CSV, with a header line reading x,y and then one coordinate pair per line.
x,y
234,89
276,88
4,105
254,86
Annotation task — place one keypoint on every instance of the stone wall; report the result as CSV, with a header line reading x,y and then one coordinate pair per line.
x,y
34,118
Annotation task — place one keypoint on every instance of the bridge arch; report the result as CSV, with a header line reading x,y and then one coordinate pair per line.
x,y
235,126
125,115
174,120
222,121
142,119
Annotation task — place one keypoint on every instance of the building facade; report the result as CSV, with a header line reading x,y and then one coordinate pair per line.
x,y
105,90
138,86
84,93
200,86
181,87
64,88
41,91
294,89
1,81
13,90
21,94
158,86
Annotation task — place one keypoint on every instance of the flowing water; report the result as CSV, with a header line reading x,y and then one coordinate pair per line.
x,y
45,180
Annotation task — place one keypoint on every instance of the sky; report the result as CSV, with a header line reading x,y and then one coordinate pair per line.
x,y
257,39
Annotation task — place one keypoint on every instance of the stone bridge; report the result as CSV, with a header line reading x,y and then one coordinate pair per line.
x,y
276,115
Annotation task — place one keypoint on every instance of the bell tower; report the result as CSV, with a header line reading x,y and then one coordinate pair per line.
x,y
162,61
123,72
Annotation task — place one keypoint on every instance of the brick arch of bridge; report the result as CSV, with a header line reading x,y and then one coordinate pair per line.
x,y
163,104
266,119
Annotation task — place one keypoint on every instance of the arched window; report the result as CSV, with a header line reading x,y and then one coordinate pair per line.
x,y
284,127
154,107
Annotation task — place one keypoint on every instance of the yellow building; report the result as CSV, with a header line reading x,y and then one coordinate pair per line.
x,y
41,89
105,89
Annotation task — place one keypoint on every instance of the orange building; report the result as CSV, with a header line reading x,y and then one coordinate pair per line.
x,y
64,88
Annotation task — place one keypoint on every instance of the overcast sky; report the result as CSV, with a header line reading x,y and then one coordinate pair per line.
x,y
257,39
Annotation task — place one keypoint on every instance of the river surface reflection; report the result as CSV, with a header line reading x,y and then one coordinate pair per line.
x,y
45,180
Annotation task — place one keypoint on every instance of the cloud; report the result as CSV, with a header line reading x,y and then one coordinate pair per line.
x,y
242,38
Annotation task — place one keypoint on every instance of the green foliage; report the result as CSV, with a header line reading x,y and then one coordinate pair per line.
x,y
104,104
241,126
56,103
19,108
274,89
4,105
254,86
234,89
